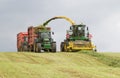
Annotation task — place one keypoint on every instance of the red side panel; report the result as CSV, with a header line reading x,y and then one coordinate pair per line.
x,y
20,38
31,35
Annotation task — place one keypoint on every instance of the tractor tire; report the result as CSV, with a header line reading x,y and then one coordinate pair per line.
x,y
62,47
54,47
38,47
34,47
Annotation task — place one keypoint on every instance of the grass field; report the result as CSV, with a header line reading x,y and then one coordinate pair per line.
x,y
57,65
112,54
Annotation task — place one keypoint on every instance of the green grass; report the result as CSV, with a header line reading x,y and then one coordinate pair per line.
x,y
57,65
110,59
112,54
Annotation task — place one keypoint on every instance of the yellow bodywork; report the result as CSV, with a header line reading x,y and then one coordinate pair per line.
x,y
79,45
59,17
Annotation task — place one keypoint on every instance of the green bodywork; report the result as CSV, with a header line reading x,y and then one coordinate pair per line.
x,y
43,37
78,33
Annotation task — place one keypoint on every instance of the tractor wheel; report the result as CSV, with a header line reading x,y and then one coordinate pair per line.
x,y
54,47
34,47
38,47
62,47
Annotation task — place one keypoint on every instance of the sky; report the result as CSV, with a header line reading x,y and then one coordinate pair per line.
x,y
101,16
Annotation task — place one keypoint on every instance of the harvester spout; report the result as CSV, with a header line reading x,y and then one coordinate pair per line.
x,y
59,17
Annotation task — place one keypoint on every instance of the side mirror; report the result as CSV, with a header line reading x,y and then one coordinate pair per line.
x,y
52,33
70,28
87,28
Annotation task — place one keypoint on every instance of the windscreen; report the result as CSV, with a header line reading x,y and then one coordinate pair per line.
x,y
45,35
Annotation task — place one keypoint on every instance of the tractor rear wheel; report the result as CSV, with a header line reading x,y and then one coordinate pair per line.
x,y
38,47
54,47
34,47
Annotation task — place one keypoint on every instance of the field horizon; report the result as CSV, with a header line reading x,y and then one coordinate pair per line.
x,y
59,65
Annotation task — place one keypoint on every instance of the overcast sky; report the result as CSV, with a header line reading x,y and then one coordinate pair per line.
x,y
101,16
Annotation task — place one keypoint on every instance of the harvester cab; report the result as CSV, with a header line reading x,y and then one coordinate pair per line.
x,y
78,32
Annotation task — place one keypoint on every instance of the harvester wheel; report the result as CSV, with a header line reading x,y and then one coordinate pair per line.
x,y
62,47
95,50
18,50
65,47
54,47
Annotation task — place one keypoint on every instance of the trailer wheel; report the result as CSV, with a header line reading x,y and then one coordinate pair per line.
x,y
21,49
25,48
54,47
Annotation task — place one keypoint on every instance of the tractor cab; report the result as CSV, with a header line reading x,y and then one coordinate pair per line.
x,y
44,36
77,32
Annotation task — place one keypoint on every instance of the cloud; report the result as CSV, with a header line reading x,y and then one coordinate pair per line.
x,y
108,33
101,16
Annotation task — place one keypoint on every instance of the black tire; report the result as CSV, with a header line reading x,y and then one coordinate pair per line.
x,y
95,50
54,47
62,47
38,47
34,47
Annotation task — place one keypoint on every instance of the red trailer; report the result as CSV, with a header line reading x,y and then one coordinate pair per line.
x,y
22,41
31,37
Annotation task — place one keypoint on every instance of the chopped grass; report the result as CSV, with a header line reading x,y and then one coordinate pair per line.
x,y
106,59
55,65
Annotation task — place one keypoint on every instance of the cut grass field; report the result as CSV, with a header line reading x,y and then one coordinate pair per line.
x,y
112,54
58,65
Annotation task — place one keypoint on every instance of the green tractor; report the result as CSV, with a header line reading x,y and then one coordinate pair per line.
x,y
40,39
